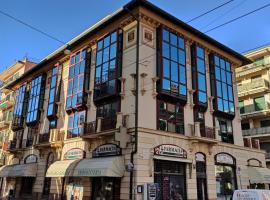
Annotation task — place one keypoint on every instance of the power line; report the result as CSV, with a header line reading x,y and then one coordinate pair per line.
x,y
31,27
210,11
257,47
242,16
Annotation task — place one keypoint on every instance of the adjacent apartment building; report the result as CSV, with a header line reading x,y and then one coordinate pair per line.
x,y
254,98
7,101
138,106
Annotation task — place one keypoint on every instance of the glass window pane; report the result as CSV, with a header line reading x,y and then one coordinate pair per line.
x,y
223,76
202,97
166,85
220,104
98,75
222,63
230,93
100,44
229,78
200,52
219,90
216,60
166,68
165,50
113,51
106,54
77,69
181,43
202,84
105,69
174,72
112,70
99,58
183,90
228,66
182,75
231,107
82,67
174,53
200,65
173,39
113,37
106,41
181,57
226,106
217,73
224,91
165,35
71,72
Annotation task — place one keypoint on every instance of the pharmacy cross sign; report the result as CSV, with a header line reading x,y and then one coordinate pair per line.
x,y
170,150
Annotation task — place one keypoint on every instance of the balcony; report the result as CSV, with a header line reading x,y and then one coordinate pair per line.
x,y
7,102
250,111
257,86
250,69
54,138
15,145
257,132
203,133
251,143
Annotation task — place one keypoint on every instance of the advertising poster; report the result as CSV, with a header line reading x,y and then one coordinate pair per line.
x,y
74,192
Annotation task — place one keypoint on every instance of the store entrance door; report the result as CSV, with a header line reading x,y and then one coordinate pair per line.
x,y
27,185
106,188
171,178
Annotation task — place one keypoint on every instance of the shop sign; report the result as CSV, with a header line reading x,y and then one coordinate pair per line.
x,y
32,158
73,154
224,158
170,150
106,150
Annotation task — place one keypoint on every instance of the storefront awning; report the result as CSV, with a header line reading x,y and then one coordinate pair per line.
x,y
95,167
24,170
259,175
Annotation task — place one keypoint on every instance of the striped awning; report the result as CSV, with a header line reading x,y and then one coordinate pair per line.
x,y
23,170
95,167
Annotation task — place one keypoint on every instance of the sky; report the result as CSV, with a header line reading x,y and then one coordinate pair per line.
x,y
65,19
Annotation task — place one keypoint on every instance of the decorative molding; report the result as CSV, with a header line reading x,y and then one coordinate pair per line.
x,y
122,93
154,92
143,90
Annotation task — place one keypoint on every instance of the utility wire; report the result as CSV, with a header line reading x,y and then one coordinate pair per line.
x,y
210,11
31,27
242,16
257,47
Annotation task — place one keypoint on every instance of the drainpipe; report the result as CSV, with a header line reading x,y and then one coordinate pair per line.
x,y
134,151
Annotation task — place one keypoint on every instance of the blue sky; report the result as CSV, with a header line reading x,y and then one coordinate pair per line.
x,y
65,19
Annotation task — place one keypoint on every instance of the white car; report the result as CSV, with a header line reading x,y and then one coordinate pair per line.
x,y
250,194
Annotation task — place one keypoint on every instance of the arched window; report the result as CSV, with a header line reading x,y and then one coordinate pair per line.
x,y
201,176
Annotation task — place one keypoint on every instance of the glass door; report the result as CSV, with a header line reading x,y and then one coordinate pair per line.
x,y
106,188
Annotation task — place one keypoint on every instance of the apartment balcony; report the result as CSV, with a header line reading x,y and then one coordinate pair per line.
x,y
202,133
251,143
250,69
102,127
15,145
251,112
257,86
257,132
7,102
54,138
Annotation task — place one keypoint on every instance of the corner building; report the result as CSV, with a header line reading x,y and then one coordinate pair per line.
x,y
141,104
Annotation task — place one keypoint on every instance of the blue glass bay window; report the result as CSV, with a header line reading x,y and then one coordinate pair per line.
x,y
78,80
173,64
199,75
222,85
75,124
19,108
108,65
52,108
36,96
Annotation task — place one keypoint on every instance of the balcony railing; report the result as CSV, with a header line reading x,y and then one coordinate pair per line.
x,y
108,124
253,87
200,131
43,138
208,132
256,131
250,69
89,128
251,143
251,110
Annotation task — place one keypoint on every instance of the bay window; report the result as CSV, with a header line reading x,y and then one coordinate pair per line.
x,y
170,117
78,80
222,86
172,70
259,103
75,124
108,65
226,130
199,75
19,108
53,96
36,96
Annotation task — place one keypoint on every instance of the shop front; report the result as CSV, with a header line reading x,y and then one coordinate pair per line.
x,y
225,171
98,177
22,176
170,164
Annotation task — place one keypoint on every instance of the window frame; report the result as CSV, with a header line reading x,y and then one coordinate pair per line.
x,y
214,85
79,126
56,96
195,75
34,94
180,64
118,65
159,102
84,57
